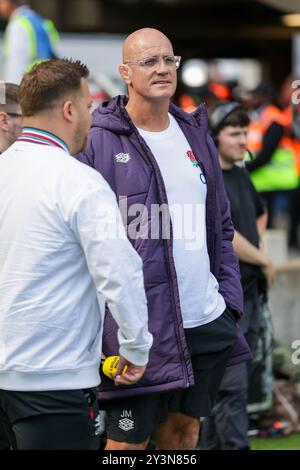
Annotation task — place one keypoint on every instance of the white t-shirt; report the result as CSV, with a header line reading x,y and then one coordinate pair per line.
x,y
186,190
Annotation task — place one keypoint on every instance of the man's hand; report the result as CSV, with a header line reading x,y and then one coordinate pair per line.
x,y
132,375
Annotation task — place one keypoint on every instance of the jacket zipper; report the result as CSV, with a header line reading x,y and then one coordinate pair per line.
x,y
164,200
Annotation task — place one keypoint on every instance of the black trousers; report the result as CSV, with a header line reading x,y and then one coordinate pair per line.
x,y
4,441
55,420
294,238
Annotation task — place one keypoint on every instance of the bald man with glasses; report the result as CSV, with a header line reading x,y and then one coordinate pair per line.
x,y
154,155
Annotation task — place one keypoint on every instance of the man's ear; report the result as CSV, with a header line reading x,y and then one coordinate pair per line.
x,y
68,111
125,73
3,121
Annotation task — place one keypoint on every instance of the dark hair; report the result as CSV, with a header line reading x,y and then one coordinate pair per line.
x,y
11,96
238,117
49,82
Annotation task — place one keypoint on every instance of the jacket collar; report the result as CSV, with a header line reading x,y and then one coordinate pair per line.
x,y
113,116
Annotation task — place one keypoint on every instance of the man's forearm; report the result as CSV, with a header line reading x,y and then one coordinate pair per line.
x,y
247,252
261,224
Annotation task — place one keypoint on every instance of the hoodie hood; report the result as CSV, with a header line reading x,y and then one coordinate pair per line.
x,y
112,115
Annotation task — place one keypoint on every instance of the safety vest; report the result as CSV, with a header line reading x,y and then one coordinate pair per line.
x,y
42,36
288,112
296,145
280,173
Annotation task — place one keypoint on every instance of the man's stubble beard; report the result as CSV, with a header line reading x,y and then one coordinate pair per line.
x,y
79,140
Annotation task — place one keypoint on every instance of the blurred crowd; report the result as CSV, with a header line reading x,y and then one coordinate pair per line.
x,y
273,144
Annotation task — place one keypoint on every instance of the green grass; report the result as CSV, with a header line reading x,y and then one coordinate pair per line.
x,y
291,442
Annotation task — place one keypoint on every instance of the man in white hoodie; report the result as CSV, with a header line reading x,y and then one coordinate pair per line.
x,y
63,254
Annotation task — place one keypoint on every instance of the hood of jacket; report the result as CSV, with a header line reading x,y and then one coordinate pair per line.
x,y
112,116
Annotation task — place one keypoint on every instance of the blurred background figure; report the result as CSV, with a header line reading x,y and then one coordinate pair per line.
x,y
29,39
227,428
273,170
10,129
292,113
10,117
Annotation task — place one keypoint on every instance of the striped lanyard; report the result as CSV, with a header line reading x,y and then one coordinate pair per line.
x,y
37,136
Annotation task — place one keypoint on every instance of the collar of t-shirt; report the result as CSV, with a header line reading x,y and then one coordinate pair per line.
x,y
157,135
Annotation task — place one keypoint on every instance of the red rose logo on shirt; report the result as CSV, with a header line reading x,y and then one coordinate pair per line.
x,y
193,159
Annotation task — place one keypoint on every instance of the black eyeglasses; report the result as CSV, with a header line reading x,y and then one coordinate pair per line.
x,y
14,114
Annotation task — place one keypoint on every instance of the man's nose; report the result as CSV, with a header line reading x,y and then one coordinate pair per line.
x,y
161,66
243,139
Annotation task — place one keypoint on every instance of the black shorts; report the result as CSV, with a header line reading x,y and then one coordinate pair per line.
x,y
55,420
133,419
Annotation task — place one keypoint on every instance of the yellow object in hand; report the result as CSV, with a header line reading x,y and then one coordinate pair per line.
x,y
110,366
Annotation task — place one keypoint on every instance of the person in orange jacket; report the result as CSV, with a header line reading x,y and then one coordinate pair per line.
x,y
292,114
273,169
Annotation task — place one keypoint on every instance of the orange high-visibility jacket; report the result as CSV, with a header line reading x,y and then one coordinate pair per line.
x,y
280,172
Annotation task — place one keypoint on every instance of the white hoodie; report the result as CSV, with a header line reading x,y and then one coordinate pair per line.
x,y
63,252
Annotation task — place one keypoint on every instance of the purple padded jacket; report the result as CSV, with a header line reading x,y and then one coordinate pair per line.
x,y
135,174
